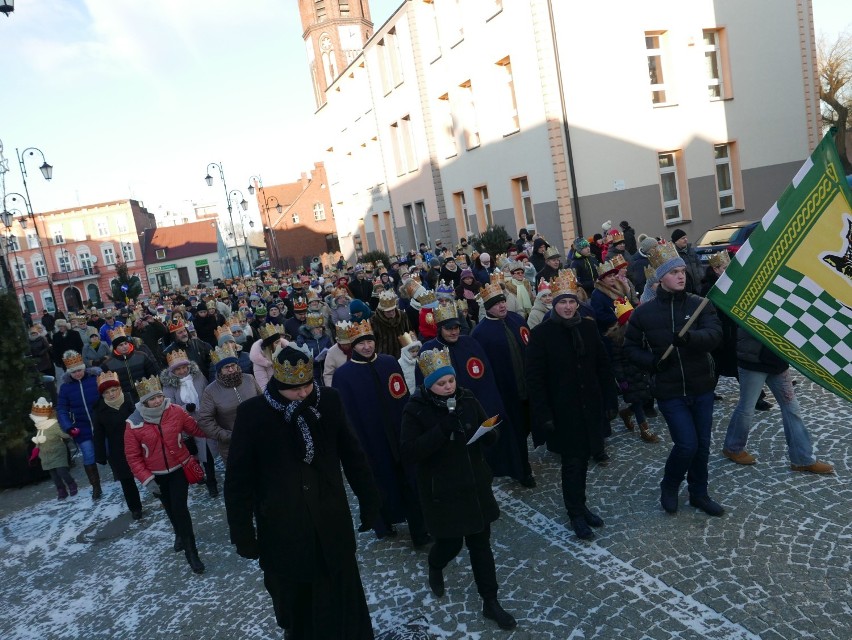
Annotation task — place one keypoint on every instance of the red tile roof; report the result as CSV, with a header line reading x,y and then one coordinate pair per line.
x,y
180,241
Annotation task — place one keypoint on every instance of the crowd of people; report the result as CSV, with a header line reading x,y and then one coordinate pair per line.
x,y
387,371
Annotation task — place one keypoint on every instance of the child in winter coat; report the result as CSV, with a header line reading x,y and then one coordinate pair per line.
x,y
50,448
408,358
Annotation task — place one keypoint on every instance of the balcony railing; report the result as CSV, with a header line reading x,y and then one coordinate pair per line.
x,y
76,274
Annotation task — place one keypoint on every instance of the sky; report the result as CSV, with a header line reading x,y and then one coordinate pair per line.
x,y
134,99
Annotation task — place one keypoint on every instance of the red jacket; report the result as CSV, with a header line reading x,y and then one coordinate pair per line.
x,y
144,447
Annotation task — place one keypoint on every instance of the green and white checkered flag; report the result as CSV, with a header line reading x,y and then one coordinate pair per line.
x,y
790,284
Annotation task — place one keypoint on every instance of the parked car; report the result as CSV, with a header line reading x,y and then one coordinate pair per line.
x,y
728,237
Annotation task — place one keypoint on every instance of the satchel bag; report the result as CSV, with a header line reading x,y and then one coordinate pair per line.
x,y
193,471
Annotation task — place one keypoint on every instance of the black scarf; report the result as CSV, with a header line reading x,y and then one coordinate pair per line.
x,y
572,325
305,414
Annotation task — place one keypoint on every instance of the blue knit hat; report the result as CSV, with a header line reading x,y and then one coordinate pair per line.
x,y
434,365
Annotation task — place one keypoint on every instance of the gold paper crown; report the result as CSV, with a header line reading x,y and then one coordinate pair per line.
x,y
407,338
268,330
178,355
341,330
274,288
147,386
615,236
618,261
368,266
118,332
432,360
461,305
224,330
176,325
411,287
42,408
565,283
314,320
445,312
313,296
72,359
227,350
387,300
514,266
211,305
107,376
491,290
551,252
297,374
650,272
606,267
339,291
622,306
662,253
356,330
497,277
720,259
427,297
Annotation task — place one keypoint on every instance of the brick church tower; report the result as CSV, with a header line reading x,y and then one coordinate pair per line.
x,y
334,32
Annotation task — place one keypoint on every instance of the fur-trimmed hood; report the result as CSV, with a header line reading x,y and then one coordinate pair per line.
x,y
90,371
171,380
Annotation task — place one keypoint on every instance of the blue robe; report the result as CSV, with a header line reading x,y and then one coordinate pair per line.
x,y
475,373
374,394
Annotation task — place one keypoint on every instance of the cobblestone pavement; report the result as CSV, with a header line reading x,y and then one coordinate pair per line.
x,y
777,565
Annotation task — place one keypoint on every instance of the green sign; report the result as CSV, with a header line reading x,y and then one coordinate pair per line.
x,y
201,263
162,267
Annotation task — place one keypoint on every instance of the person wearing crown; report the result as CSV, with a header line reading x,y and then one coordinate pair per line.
x,y
286,503
184,383
197,350
77,395
503,336
683,381
585,265
568,366
340,352
128,362
518,290
552,264
261,352
389,323
409,348
153,446
453,478
109,418
542,305
313,336
109,325
225,337
427,302
50,448
300,314
373,391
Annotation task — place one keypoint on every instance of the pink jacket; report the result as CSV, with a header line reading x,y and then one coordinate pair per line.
x,y
334,359
144,448
262,365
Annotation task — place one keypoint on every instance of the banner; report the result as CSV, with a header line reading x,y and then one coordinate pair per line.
x,y
790,284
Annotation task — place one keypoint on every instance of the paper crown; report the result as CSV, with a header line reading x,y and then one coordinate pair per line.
x,y
260,310
720,259
623,309
543,285
224,330
210,304
313,296
444,289
662,253
42,408
618,261
108,376
650,272
297,374
433,360
368,266
564,283
274,288
148,386
610,266
461,305
339,291
515,266
227,350
614,236
407,338
445,312
341,331
411,287
178,355
491,290
314,320
359,329
387,300
268,330
551,252
300,304
296,283
426,297
497,277
176,326
118,332
72,359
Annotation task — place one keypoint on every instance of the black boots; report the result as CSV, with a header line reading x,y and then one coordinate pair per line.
x,y
707,505
592,519
668,499
436,581
581,528
178,545
492,610
94,479
191,554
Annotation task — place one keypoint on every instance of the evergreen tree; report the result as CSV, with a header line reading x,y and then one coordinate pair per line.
x,y
492,241
18,375
124,286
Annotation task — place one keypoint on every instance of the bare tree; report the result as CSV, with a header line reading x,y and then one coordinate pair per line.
x,y
835,74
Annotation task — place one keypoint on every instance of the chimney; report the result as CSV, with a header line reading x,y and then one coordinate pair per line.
x,y
305,180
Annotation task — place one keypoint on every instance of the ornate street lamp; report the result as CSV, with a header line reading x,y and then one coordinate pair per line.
x,y
7,7
244,204
273,240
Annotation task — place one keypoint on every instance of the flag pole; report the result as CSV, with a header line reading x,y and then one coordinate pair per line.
x,y
688,324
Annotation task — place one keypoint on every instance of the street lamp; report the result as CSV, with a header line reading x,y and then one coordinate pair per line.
x,y
8,220
209,180
7,7
266,204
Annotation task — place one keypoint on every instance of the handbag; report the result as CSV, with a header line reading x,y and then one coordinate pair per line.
x,y
193,471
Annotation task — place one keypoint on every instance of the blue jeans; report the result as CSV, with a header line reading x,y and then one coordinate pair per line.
x,y
799,446
87,450
690,421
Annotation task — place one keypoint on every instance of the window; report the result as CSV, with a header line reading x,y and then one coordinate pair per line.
x,y
390,64
295,218
86,263
462,221
319,7
484,215
468,116
510,102
319,211
161,254
728,181
121,224
56,232
344,8
103,228
420,208
653,42
407,138
447,132
93,293
128,254
397,146
108,254
672,186
431,36
47,301
64,262
14,245
20,270
78,230
377,232
39,267
32,240
716,64
29,303
523,203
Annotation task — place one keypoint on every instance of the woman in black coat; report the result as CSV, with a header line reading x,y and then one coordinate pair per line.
x,y
453,479
569,370
109,417
286,503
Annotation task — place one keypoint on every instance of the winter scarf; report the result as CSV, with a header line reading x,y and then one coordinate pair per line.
x,y
301,411
153,415
116,403
188,394
573,326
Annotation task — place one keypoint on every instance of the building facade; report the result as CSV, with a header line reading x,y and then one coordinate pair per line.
x,y
458,116
186,255
67,259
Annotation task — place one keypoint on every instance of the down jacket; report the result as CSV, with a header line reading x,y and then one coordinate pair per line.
x,y
76,400
219,410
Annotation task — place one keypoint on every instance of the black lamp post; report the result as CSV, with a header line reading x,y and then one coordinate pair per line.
x,y
7,7
8,221
209,179
273,240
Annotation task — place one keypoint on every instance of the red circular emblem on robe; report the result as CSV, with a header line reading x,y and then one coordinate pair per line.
x,y
475,368
396,386
525,335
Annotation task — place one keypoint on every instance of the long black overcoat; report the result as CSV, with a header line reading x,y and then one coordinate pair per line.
x,y
108,427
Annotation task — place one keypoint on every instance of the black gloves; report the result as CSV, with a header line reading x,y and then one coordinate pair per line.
x,y
190,407
450,424
662,364
681,341
248,550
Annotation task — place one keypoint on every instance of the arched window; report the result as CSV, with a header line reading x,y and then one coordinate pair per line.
x,y
93,293
29,302
39,268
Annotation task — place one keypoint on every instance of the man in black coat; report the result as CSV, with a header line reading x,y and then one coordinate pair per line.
x,y
287,506
197,350
629,237
129,363
683,382
63,340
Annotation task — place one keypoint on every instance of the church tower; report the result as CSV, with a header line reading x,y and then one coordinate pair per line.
x,y
334,32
